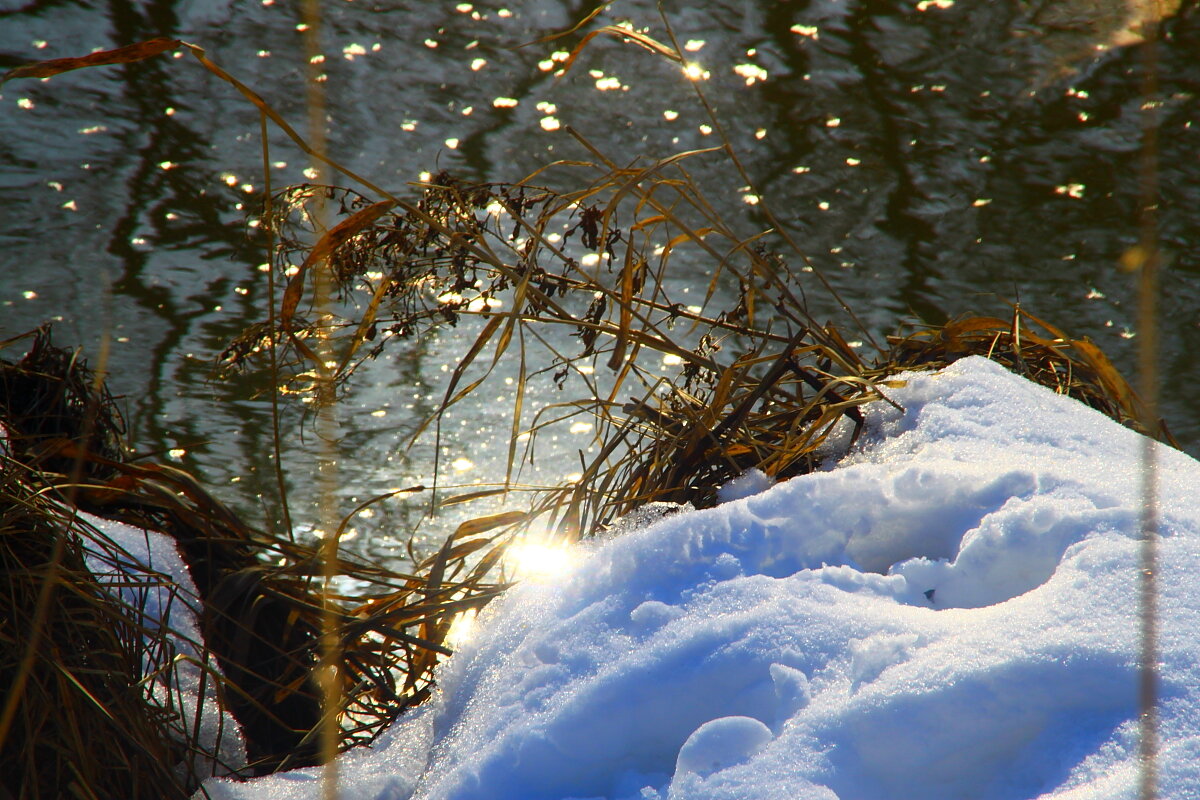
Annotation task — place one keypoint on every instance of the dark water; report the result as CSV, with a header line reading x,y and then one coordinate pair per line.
x,y
931,158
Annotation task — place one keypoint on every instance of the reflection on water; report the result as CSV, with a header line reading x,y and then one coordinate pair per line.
x,y
930,156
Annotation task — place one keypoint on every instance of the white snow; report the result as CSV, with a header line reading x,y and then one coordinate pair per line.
x,y
748,483
145,571
782,645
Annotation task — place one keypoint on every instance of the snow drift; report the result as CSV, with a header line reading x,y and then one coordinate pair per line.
x,y
949,612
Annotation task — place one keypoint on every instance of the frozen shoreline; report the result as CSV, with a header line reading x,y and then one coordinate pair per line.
x,y
759,650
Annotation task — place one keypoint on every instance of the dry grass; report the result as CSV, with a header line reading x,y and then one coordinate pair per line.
x,y
1037,350
91,710
760,383
72,658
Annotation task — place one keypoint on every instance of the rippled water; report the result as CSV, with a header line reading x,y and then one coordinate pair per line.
x,y
933,158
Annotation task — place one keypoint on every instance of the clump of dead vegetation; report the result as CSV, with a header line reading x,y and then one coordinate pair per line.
x,y
107,680
579,284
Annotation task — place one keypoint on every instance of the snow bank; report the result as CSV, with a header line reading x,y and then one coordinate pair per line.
x,y
146,572
950,612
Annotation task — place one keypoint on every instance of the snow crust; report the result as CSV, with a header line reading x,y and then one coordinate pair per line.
x,y
949,612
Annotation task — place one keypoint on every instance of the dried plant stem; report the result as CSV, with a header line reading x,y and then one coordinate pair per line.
x,y
328,676
765,206
1148,260
273,342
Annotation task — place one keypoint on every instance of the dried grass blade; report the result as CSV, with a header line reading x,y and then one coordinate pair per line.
x,y
648,221
686,236
955,328
325,247
449,398
121,55
437,569
264,107
408,638
595,12
630,35
518,410
628,278
368,319
370,502
474,527
1046,326
485,565
511,318
1113,382
469,497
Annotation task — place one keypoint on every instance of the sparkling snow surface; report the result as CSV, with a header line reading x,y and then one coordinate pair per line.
x,y
950,612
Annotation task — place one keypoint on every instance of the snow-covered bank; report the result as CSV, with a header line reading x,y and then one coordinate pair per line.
x,y
950,612
145,571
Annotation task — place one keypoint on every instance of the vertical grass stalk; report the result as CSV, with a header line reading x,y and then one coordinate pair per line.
x,y
1147,261
326,417
272,351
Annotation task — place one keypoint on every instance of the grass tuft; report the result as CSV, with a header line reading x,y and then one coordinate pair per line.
x,y
97,705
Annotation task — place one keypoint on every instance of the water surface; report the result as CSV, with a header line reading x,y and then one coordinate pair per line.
x,y
932,158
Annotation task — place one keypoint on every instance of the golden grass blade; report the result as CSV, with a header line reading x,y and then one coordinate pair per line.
x,y
627,35
518,411
330,242
474,527
450,397
363,331
1109,378
595,12
121,55
469,497
370,502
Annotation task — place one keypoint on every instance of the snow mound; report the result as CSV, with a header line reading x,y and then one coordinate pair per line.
x,y
156,582
950,612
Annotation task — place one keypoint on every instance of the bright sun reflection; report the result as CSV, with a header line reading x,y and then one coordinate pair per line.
x,y
461,629
533,560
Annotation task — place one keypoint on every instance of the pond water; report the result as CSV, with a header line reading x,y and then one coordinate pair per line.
x,y
932,158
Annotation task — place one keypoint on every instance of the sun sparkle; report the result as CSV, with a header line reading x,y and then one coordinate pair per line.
x,y
531,559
